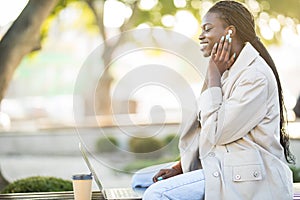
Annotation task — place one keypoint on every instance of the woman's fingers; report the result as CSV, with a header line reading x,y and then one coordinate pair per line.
x,y
161,173
164,174
214,50
231,61
225,53
220,47
220,54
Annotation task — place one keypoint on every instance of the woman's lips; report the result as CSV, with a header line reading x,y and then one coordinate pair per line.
x,y
203,45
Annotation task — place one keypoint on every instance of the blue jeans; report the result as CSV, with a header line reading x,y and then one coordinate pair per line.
x,y
189,186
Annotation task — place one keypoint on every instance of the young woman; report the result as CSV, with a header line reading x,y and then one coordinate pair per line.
x,y
241,150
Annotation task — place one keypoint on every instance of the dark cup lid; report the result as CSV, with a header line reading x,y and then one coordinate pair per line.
x,y
82,177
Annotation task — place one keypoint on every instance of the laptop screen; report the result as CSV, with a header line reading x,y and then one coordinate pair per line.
x,y
84,155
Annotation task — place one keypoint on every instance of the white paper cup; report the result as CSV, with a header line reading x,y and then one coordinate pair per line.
x,y
82,186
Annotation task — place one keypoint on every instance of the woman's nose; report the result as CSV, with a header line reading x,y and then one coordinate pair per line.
x,y
201,36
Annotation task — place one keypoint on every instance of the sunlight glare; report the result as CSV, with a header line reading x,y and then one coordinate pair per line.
x,y
288,35
147,4
266,32
168,20
254,6
196,4
289,22
127,12
205,7
10,10
180,3
186,23
114,13
298,29
274,25
143,25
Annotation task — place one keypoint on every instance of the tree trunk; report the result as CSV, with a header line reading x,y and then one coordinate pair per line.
x,y
102,103
22,38
103,100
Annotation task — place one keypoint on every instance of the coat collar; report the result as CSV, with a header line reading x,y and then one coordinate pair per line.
x,y
246,57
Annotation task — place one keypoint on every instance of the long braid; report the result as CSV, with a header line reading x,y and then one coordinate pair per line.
x,y
234,13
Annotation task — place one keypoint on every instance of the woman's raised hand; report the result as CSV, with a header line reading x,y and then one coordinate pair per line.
x,y
220,60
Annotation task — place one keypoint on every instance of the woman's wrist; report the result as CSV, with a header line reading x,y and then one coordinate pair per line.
x,y
213,78
178,167
214,82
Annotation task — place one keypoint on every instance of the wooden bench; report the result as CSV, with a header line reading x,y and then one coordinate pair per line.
x,y
96,195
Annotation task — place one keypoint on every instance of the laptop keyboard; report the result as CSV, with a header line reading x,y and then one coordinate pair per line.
x,y
122,193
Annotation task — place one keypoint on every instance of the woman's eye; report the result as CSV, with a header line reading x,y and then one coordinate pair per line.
x,y
207,29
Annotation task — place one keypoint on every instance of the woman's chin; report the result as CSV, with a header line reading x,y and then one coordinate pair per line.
x,y
206,53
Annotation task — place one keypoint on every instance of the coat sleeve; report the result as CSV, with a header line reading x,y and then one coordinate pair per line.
x,y
226,120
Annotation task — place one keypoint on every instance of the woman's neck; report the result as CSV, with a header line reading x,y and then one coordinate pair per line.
x,y
236,47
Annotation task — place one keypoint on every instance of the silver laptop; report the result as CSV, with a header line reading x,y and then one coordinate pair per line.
x,y
110,193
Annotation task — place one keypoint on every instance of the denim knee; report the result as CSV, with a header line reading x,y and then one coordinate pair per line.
x,y
154,192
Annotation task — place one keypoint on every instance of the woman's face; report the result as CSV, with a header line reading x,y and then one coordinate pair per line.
x,y
212,31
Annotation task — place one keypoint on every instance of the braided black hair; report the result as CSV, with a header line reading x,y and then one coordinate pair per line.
x,y
234,13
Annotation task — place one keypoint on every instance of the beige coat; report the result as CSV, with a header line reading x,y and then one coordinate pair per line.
x,y
238,143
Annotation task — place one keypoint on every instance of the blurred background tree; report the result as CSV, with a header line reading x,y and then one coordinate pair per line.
x,y
274,18
22,38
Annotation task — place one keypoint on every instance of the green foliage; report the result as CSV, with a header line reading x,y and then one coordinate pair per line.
x,y
54,13
150,146
296,174
171,142
169,138
289,8
38,184
107,144
86,19
140,164
153,17
145,145
167,7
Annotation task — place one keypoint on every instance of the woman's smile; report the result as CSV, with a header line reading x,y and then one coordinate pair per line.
x,y
213,29
203,46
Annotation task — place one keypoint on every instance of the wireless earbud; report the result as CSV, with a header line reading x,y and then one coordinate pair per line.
x,y
228,36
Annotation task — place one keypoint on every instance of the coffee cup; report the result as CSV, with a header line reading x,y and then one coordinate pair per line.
x,y
82,186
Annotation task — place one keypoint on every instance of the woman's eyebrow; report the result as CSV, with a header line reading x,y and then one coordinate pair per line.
x,y
206,24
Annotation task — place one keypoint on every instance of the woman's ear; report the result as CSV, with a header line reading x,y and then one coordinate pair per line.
x,y
231,30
